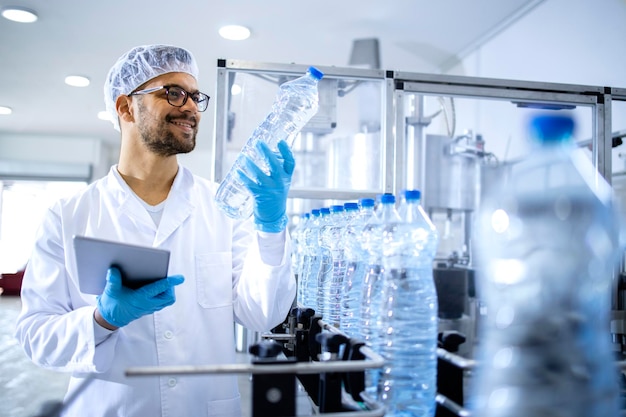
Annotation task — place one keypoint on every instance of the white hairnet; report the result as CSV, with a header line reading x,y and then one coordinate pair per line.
x,y
140,65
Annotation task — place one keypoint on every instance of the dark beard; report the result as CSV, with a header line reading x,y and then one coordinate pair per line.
x,y
159,139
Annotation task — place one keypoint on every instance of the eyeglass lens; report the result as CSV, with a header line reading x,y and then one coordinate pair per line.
x,y
176,96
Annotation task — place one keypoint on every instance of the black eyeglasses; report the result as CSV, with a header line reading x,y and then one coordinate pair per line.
x,y
177,96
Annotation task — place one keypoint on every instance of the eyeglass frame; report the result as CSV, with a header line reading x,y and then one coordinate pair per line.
x,y
167,96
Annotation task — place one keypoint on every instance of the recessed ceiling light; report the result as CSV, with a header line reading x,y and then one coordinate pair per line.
x,y
77,81
19,14
235,89
234,32
5,110
104,115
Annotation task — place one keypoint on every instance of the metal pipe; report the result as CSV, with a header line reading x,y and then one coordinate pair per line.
x,y
456,360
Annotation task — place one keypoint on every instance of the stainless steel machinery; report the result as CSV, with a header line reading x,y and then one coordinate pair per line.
x,y
449,136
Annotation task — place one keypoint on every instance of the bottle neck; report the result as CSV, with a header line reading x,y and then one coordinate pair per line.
x,y
388,213
411,212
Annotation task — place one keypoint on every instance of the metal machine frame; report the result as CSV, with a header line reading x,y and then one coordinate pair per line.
x,y
228,66
398,85
461,86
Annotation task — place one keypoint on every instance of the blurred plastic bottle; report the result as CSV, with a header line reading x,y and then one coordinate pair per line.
x,y
371,294
548,246
325,264
295,104
331,278
310,262
408,381
355,270
297,248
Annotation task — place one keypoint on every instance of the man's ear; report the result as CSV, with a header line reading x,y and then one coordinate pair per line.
x,y
124,108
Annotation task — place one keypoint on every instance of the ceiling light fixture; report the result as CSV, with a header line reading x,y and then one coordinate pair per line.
x,y
77,81
19,14
234,32
5,110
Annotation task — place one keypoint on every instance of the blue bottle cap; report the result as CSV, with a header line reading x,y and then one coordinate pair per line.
x,y
367,202
552,128
336,209
315,73
412,194
350,206
315,212
325,210
388,199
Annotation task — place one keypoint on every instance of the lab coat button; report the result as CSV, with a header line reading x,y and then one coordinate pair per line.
x,y
171,382
168,334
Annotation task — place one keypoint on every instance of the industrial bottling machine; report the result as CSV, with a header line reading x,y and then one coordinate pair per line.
x,y
382,131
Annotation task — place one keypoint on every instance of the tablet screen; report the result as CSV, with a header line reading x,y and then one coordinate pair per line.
x,y
139,265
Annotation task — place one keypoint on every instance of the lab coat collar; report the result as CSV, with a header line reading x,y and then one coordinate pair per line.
x,y
178,205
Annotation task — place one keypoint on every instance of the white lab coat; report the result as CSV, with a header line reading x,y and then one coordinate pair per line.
x,y
228,278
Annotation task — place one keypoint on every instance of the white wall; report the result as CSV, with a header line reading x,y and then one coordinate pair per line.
x,y
564,41
560,41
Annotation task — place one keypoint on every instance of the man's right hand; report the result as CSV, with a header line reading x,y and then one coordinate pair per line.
x,y
119,305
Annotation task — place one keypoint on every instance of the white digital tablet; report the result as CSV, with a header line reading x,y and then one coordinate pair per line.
x,y
139,265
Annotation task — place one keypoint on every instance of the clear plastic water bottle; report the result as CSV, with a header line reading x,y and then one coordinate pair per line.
x,y
408,381
548,244
297,249
355,270
295,104
310,262
372,291
331,278
325,264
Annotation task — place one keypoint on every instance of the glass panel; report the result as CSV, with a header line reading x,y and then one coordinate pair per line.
x,y
619,153
341,149
457,147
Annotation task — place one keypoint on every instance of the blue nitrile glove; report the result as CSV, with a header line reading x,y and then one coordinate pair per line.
x,y
270,191
120,305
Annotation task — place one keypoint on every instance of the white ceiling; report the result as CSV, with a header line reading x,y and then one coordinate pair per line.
x,y
86,37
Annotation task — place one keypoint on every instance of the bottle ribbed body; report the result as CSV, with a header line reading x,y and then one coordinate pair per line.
x,y
324,267
355,271
310,262
331,277
408,382
297,250
372,290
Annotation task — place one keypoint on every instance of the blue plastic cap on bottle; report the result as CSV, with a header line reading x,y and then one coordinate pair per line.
x,y
351,206
325,210
315,73
367,202
315,212
336,209
412,194
388,199
552,128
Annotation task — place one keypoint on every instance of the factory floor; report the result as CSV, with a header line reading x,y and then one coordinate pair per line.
x,y
25,387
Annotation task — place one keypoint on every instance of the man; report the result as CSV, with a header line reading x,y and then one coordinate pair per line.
x,y
223,270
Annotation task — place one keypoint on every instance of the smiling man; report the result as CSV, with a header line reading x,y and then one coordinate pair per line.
x,y
223,270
